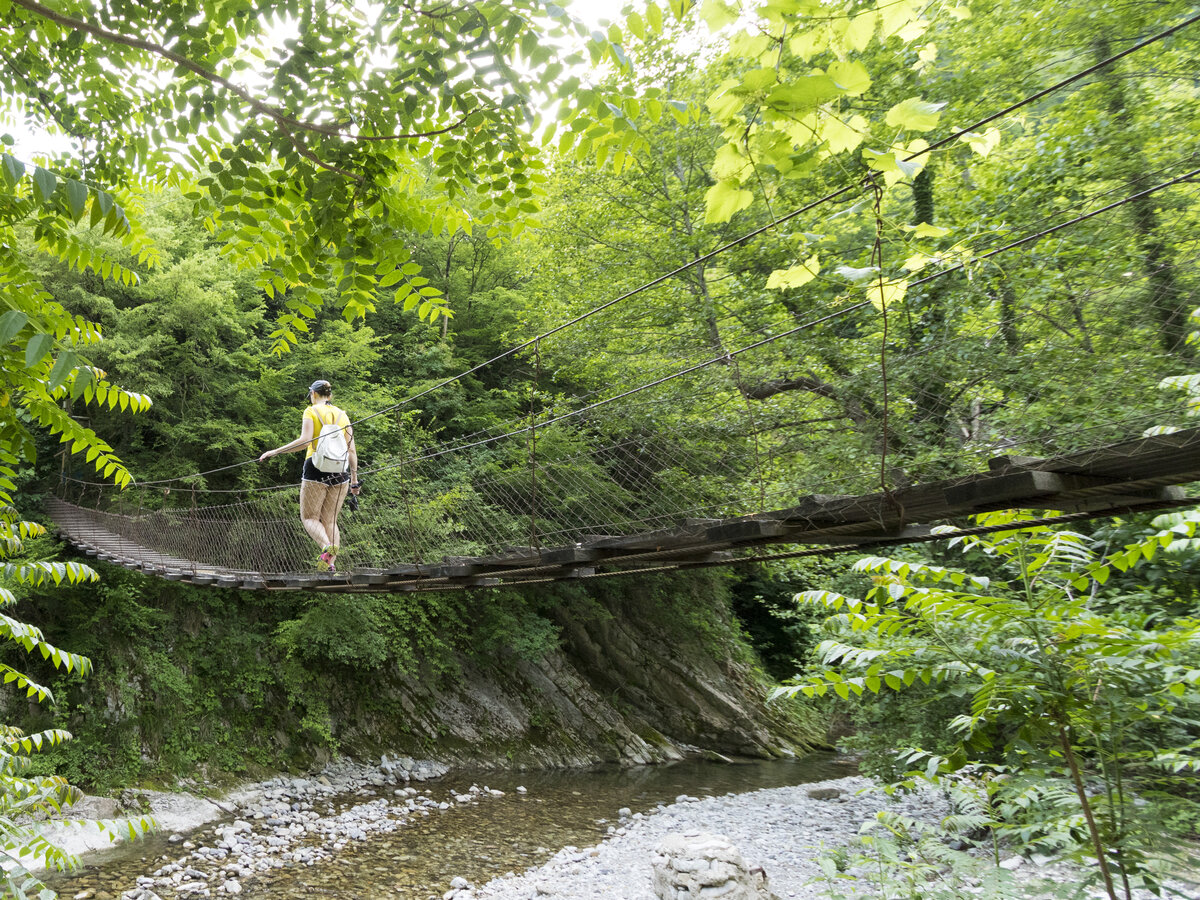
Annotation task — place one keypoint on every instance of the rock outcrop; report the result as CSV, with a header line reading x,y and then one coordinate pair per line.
x,y
624,687
700,866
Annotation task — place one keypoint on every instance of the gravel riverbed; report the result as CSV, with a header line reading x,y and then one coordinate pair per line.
x,y
303,822
781,830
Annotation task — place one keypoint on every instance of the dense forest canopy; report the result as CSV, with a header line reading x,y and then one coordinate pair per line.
x,y
259,193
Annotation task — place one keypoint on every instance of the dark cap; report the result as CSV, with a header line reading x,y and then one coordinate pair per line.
x,y
320,386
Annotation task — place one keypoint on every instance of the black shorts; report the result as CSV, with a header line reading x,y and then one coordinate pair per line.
x,y
312,473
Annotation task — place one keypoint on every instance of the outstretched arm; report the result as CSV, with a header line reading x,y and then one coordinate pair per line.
x,y
306,435
353,461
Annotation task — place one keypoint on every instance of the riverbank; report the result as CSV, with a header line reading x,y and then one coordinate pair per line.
x,y
175,813
355,832
782,831
368,832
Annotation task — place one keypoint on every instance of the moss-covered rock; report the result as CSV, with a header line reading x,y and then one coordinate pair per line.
x,y
207,683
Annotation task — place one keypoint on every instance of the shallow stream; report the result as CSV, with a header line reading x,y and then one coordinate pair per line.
x,y
477,841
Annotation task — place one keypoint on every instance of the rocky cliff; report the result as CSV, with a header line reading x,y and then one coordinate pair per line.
x,y
202,683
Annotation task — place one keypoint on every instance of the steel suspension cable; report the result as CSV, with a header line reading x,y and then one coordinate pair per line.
x,y
731,354
834,195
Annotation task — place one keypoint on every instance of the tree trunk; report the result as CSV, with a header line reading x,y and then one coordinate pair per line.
x,y
1165,297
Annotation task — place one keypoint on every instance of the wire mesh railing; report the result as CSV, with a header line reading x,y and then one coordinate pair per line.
x,y
1050,333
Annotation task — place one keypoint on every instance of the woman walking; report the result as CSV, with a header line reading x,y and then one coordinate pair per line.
x,y
330,468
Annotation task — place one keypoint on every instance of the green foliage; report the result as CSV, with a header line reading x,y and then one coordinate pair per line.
x,y
1046,682
366,127
761,597
896,857
43,371
25,793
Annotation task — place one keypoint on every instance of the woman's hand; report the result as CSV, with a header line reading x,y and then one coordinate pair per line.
x,y
266,456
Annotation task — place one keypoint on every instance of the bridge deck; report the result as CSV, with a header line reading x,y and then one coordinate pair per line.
x,y
1139,474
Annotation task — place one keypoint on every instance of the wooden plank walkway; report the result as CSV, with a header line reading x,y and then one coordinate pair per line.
x,y
1139,474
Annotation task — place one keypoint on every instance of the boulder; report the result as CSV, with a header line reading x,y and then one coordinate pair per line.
x,y
701,865
824,794
95,808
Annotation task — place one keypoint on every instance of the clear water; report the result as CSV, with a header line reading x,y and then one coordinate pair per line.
x,y
478,841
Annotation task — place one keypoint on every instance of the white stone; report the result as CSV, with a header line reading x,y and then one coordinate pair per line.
x,y
703,865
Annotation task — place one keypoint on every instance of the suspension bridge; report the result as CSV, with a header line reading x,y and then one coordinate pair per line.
x,y
1031,372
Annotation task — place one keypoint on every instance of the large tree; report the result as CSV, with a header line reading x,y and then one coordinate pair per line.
x,y
309,137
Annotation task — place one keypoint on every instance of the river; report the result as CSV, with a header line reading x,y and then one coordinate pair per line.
x,y
478,841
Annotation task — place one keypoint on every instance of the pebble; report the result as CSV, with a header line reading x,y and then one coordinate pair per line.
x,y
781,830
277,826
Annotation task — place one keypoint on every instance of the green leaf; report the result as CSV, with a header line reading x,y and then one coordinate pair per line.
x,y
796,276
723,200
983,144
925,230
67,360
44,184
654,18
803,94
14,170
77,195
851,77
887,293
37,348
914,114
860,31
842,136
10,324
718,13
636,24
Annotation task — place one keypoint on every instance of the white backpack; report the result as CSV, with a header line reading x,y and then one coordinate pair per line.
x,y
332,455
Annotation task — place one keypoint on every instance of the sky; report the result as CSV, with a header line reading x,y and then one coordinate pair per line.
x,y
30,143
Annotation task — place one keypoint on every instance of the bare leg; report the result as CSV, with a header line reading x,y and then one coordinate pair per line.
x,y
335,496
312,499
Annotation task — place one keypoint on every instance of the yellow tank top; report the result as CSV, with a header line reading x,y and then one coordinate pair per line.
x,y
326,414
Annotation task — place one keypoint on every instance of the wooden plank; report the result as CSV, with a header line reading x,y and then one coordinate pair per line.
x,y
700,556
464,571
1025,487
655,540
999,463
908,532
1174,455
483,582
567,555
747,530
819,507
405,571
368,578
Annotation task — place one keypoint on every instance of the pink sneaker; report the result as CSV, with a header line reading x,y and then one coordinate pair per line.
x,y
327,558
